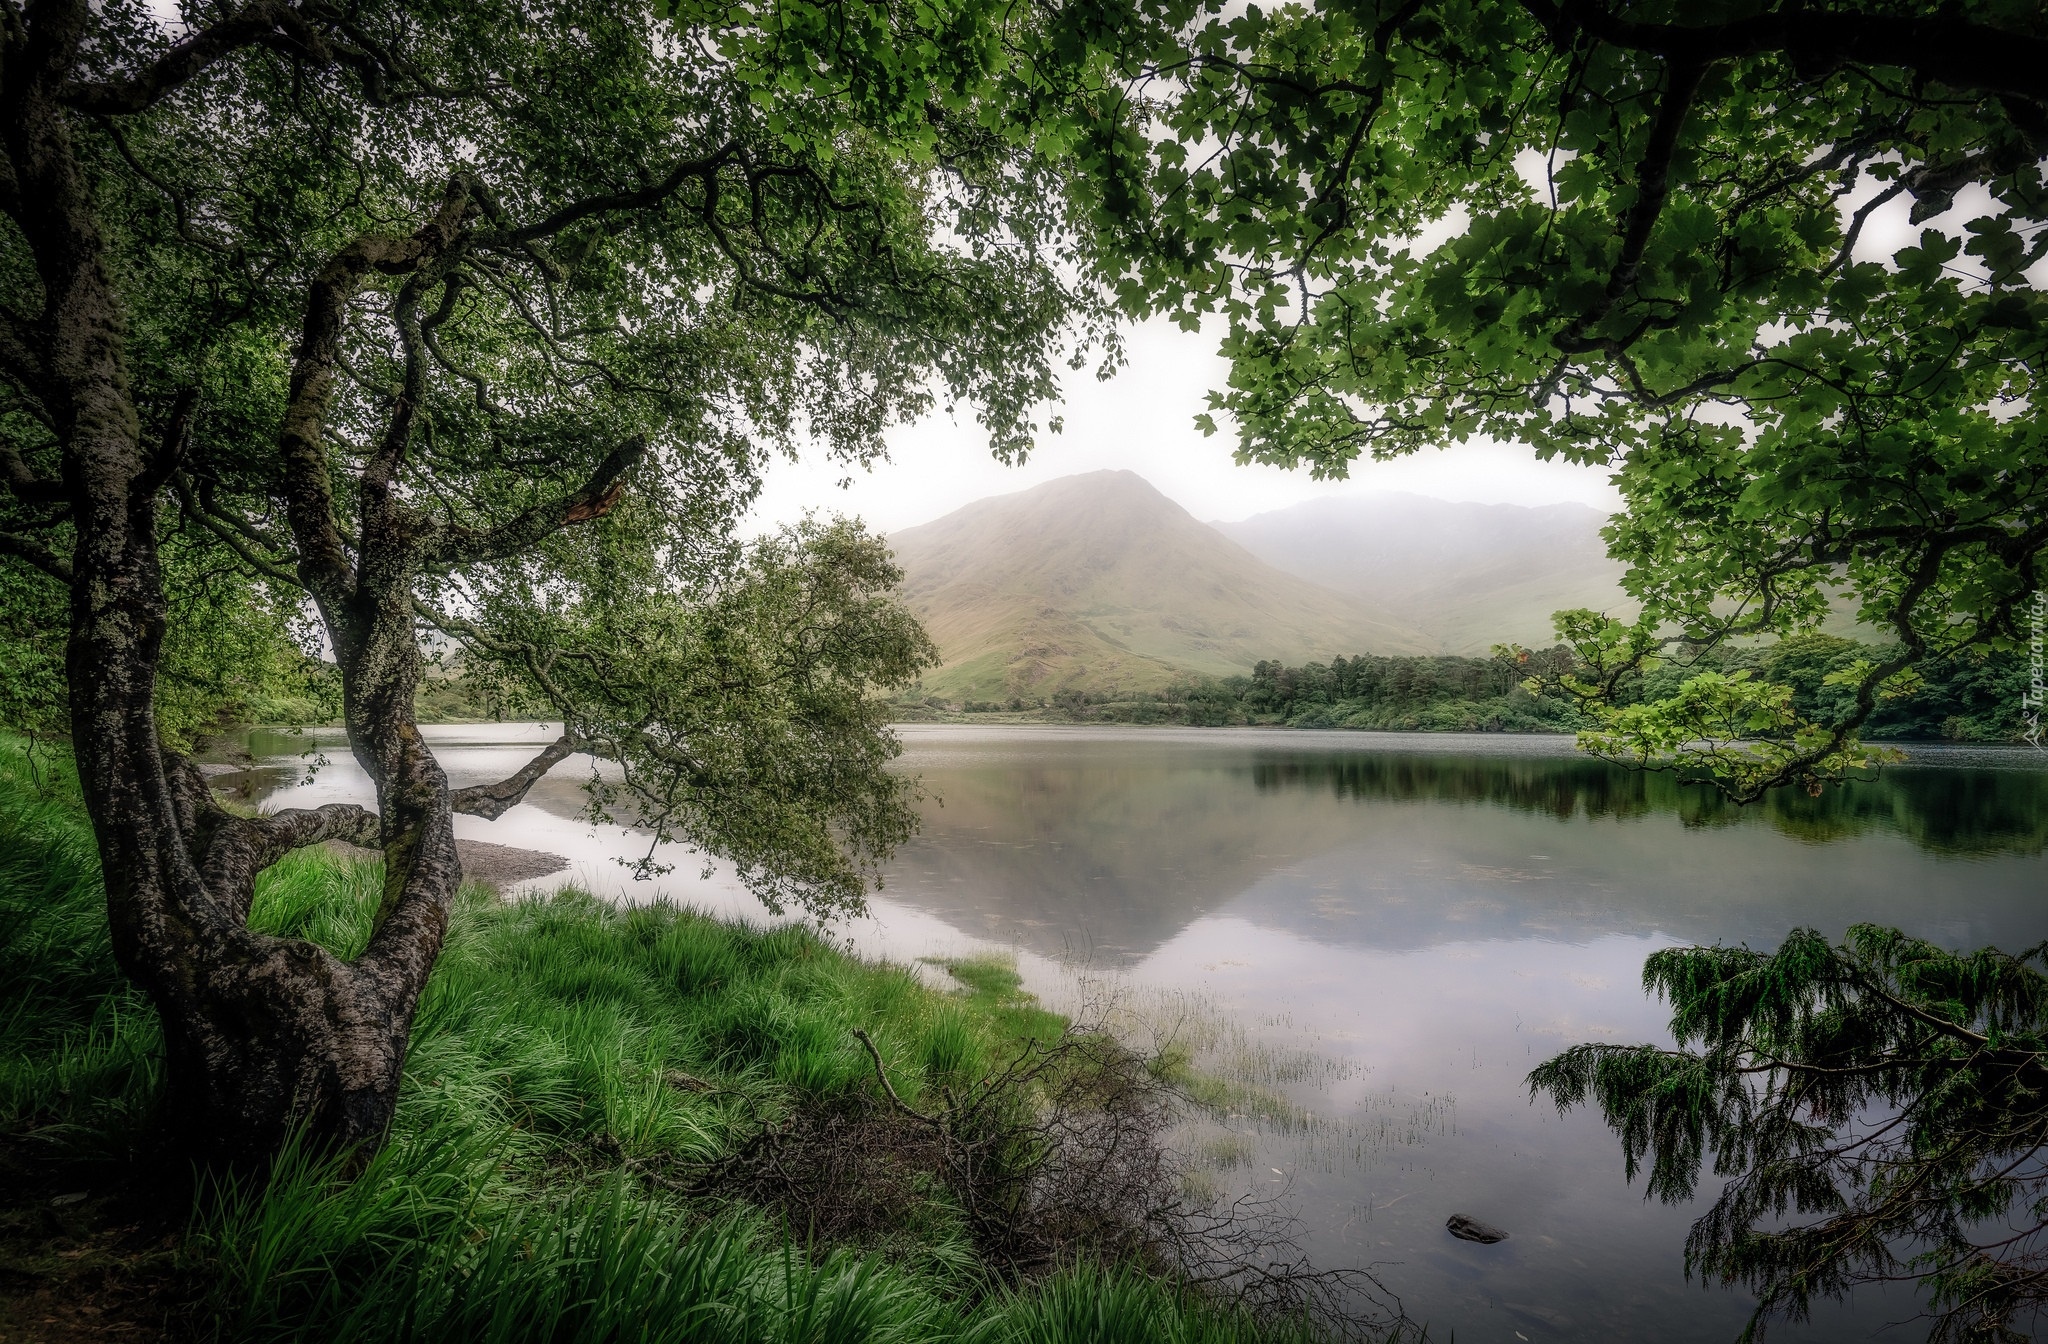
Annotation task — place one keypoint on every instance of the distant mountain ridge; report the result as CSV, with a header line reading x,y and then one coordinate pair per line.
x,y
1099,582
1463,577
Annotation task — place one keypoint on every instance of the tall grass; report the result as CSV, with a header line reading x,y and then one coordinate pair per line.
x,y
79,1048
566,1056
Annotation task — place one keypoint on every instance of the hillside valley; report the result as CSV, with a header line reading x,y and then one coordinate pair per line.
x,y
1099,583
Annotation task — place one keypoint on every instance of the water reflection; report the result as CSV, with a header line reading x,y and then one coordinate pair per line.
x,y
1945,809
1433,915
1111,845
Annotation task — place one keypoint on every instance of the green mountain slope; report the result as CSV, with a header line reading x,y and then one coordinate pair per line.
x,y
1100,583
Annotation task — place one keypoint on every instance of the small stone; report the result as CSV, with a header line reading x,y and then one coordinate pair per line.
x,y
1465,1227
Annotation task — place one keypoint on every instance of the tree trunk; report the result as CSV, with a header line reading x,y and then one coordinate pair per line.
x,y
264,1037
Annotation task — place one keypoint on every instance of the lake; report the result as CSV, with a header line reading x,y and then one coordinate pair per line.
x,y
1389,930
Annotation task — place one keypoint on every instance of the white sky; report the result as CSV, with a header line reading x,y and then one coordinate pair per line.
x,y
1142,420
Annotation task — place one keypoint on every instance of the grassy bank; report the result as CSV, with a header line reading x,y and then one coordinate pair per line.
x,y
580,1078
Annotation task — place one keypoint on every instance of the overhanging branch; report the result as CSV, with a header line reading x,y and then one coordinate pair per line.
x,y
596,497
612,202
254,24
491,801
1970,57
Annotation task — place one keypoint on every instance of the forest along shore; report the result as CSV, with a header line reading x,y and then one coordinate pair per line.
x,y
1967,698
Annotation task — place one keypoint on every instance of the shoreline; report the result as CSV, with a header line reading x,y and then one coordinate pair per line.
x,y
491,865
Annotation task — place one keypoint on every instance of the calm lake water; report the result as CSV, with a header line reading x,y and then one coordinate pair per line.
x,y
1390,930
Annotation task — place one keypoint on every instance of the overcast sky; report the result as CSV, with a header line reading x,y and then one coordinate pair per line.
x,y
1142,420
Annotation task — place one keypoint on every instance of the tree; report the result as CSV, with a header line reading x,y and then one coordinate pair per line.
x,y
1896,1090
1639,234
472,326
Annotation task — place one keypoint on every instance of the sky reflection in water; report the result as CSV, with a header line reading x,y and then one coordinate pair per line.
x,y
1428,916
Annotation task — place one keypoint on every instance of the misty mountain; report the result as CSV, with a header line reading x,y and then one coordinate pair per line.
x,y
1461,577
1100,582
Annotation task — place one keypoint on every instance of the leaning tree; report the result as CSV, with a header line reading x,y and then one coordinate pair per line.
x,y
468,327
1662,237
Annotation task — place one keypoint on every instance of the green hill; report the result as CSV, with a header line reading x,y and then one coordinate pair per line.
x,y
1100,583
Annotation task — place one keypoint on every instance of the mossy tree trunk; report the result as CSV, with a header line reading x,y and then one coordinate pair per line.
x,y
220,349
264,1036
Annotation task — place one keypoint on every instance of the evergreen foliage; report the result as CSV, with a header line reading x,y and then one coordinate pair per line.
x,y
1878,1108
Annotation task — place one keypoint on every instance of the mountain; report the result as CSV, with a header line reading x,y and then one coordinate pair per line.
x,y
1099,582
1463,576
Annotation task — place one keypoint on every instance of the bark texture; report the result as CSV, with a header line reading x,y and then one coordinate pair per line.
x,y
265,1037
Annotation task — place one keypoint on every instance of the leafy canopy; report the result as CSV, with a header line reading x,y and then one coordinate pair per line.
x,y
1650,236
501,311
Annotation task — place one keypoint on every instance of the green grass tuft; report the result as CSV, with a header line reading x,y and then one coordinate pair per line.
x,y
567,1052
995,990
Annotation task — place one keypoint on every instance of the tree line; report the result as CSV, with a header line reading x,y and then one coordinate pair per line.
x,y
1971,696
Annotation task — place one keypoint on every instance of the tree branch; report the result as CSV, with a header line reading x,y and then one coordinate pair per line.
x,y
615,201
324,567
241,847
232,533
593,499
23,481
882,1076
260,22
37,554
491,801
1653,188
1971,57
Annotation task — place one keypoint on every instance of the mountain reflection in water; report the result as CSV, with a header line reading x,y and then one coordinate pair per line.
x,y
1418,918
1434,915
1109,844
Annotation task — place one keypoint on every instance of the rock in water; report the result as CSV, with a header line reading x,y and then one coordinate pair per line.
x,y
1465,1227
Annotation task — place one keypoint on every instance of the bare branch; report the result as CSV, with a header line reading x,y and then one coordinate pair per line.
x,y
593,499
491,801
882,1076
